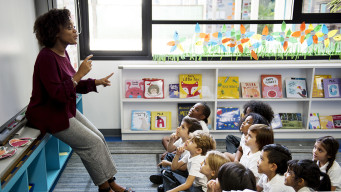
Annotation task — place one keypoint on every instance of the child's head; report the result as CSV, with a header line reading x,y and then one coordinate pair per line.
x,y
234,176
200,111
274,159
213,161
200,143
259,107
188,125
258,136
325,150
250,119
306,173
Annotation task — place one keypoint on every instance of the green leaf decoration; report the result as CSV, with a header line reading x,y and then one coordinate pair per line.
x,y
284,26
280,39
307,36
223,29
288,33
318,28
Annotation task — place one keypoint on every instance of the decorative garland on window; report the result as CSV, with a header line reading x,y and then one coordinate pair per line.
x,y
285,44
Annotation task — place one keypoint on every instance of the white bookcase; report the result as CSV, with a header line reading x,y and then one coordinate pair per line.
x,y
246,71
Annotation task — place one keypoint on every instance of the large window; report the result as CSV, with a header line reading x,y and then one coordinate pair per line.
x,y
140,29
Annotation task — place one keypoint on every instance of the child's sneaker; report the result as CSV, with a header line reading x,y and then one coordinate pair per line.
x,y
156,179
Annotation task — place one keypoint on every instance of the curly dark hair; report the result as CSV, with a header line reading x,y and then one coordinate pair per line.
x,y
261,108
47,26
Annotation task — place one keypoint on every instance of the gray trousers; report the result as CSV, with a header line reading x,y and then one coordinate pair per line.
x,y
89,143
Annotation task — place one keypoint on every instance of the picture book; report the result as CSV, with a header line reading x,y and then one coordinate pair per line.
x,y
291,120
154,88
337,121
134,88
250,89
140,120
296,87
318,85
228,118
332,87
271,86
183,109
190,85
161,120
276,122
174,91
314,121
228,87
326,122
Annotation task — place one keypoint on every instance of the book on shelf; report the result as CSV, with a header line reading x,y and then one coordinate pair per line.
x,y
326,122
174,90
332,87
228,87
296,87
190,85
140,120
153,88
161,120
134,89
250,89
228,118
314,121
183,109
276,122
318,85
291,120
271,86
337,121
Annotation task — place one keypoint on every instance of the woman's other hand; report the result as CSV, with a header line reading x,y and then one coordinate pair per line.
x,y
83,69
104,81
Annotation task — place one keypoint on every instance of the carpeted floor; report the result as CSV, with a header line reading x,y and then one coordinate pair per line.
x,y
137,160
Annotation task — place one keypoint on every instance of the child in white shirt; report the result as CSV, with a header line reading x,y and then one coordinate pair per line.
x,y
258,136
199,144
324,152
212,163
273,164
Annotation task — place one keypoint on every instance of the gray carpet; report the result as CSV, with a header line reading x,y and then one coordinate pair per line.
x,y
137,160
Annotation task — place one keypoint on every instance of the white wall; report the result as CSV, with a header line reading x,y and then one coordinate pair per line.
x,y
18,51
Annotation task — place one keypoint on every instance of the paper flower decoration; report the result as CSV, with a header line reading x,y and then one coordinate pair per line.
x,y
325,35
301,33
176,43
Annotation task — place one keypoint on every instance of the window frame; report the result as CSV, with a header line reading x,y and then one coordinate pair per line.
x,y
147,22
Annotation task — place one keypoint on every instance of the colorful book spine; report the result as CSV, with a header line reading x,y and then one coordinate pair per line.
x,y
228,88
296,88
250,89
140,120
291,120
314,121
332,87
337,121
190,85
228,118
174,91
326,122
154,88
318,90
161,120
271,86
134,89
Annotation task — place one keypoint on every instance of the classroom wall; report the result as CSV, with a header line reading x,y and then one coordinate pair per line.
x,y
18,50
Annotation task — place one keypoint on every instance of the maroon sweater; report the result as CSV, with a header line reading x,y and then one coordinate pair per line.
x,y
53,99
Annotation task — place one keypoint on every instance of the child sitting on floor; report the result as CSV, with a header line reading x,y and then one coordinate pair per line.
x,y
198,145
212,163
273,164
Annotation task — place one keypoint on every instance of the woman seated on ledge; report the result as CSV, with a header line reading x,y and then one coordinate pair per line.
x,y
52,106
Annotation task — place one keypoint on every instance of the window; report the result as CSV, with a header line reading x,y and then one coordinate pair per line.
x,y
168,28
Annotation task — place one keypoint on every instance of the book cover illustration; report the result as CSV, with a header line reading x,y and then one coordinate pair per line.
x,y
228,118
228,88
190,85
153,88
174,91
318,85
134,88
332,87
326,122
250,89
276,122
183,109
291,120
140,120
296,87
161,120
271,86
337,121
314,121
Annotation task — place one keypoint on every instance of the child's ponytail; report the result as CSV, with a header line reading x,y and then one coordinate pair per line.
x,y
206,112
325,184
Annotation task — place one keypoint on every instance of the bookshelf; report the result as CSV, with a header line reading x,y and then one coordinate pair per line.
x,y
246,71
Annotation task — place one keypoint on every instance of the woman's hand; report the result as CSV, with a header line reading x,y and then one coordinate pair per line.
x,y
104,81
83,69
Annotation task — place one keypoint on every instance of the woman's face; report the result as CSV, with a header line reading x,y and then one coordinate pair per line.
x,y
68,35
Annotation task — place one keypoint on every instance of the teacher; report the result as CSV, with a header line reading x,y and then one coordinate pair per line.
x,y
52,106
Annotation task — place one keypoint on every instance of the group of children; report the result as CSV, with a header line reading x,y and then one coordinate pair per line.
x,y
252,163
